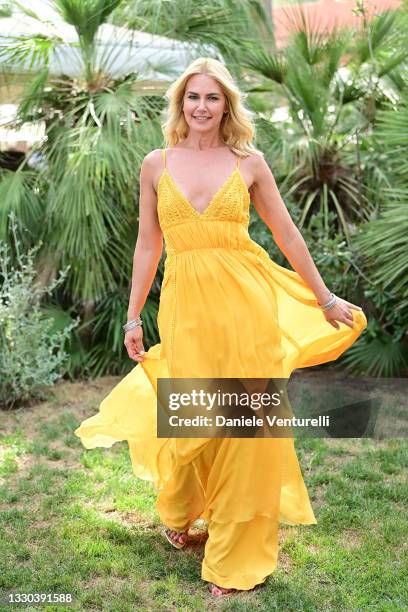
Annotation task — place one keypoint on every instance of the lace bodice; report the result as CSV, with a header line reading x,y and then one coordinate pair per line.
x,y
230,202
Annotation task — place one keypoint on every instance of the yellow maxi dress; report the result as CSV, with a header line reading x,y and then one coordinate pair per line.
x,y
226,311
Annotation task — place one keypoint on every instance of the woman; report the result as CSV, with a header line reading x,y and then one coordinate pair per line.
x,y
228,311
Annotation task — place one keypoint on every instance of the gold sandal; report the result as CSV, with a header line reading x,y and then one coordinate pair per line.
x,y
167,531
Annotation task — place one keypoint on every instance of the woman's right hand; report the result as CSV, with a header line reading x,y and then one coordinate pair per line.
x,y
134,343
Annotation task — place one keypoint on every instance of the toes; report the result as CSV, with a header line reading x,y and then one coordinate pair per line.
x,y
179,538
215,590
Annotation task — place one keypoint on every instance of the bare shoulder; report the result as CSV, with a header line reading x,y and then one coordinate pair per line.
x,y
152,167
153,160
255,161
254,166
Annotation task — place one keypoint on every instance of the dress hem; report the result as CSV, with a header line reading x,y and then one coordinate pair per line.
x,y
228,583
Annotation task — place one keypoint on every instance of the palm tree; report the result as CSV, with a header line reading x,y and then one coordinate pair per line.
x,y
331,84
384,241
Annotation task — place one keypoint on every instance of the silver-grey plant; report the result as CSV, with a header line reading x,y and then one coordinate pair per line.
x,y
32,354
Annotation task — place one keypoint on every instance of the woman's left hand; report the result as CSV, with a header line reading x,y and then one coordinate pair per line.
x,y
341,311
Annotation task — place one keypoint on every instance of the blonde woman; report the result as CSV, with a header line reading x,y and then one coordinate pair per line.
x,y
226,311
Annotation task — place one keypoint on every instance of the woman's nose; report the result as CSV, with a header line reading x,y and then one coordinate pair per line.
x,y
202,104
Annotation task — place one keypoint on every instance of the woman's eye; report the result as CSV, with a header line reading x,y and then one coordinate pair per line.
x,y
191,97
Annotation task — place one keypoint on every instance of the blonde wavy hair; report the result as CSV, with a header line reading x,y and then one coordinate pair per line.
x,y
237,129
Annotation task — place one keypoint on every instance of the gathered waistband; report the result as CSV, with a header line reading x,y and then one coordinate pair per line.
x,y
247,248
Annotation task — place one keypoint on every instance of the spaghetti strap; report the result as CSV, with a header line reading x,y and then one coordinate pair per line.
x,y
164,157
238,160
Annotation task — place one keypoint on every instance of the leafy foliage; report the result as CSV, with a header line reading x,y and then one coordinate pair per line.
x,y
32,355
321,145
337,151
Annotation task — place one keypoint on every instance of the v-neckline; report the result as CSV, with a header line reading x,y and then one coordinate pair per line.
x,y
216,194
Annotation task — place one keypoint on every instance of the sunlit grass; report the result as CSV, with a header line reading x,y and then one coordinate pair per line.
x,y
78,521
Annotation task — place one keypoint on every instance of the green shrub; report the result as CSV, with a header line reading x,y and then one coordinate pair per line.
x,y
32,357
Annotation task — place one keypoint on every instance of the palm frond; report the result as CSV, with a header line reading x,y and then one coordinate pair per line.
x,y
20,194
308,38
269,65
378,32
27,53
86,16
379,357
385,241
26,10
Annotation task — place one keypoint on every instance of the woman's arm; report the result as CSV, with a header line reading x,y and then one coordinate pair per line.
x,y
272,210
148,250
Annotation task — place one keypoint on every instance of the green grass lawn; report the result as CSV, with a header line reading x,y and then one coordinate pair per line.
x,y
78,521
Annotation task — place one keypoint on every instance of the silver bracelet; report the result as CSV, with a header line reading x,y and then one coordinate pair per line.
x,y
330,304
132,324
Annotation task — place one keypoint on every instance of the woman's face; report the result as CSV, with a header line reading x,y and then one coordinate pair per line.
x,y
204,103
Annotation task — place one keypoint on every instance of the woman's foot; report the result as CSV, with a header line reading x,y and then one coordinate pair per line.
x,y
178,539
220,591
